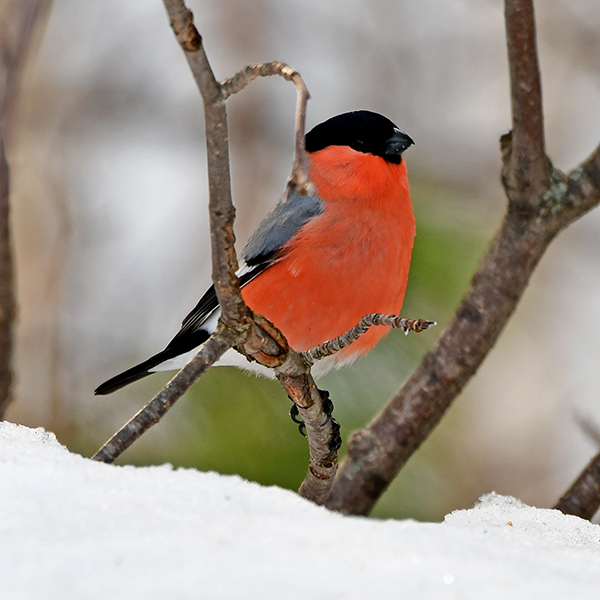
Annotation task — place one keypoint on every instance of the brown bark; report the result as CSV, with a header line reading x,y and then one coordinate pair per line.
x,y
583,497
255,336
17,21
7,299
250,334
541,202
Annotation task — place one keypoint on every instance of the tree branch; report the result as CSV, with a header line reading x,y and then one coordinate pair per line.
x,y
222,213
251,334
322,430
18,19
542,202
299,181
583,497
583,186
150,415
528,171
588,427
7,300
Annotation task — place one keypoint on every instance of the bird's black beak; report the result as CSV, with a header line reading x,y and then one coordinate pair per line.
x,y
397,144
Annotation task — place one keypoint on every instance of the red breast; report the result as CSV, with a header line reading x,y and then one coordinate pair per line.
x,y
348,262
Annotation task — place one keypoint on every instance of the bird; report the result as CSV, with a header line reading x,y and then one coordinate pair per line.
x,y
319,263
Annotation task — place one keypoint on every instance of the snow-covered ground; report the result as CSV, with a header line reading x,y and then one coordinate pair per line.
x,y
72,528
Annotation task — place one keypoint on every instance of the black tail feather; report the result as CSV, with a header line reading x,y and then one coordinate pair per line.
x,y
189,342
138,372
119,381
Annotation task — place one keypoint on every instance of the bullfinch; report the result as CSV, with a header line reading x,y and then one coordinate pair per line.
x,y
317,264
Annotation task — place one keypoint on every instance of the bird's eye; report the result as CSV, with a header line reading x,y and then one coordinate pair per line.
x,y
358,144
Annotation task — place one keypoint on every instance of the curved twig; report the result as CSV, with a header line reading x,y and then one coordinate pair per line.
x,y
299,180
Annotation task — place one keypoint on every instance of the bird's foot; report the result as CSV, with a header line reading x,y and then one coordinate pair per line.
x,y
335,441
295,416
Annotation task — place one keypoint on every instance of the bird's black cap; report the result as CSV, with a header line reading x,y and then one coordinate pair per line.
x,y
362,130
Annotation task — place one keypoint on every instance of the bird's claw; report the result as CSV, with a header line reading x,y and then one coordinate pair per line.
x,y
335,440
295,416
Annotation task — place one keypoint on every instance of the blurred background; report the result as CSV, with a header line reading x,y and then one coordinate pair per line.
x,y
111,237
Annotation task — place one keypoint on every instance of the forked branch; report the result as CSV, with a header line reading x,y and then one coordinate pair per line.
x,y
542,202
240,328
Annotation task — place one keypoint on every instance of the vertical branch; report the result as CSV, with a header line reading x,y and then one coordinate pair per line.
x,y
322,430
222,212
528,170
7,300
300,180
17,23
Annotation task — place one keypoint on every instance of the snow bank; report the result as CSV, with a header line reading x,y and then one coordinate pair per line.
x,y
73,528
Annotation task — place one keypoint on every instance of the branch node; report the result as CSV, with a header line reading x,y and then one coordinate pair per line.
x,y
187,35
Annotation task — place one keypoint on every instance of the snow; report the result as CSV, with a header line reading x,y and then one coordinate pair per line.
x,y
74,528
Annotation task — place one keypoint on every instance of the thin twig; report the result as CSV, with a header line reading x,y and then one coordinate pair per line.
x,y
215,347
368,321
7,300
588,426
299,181
248,74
